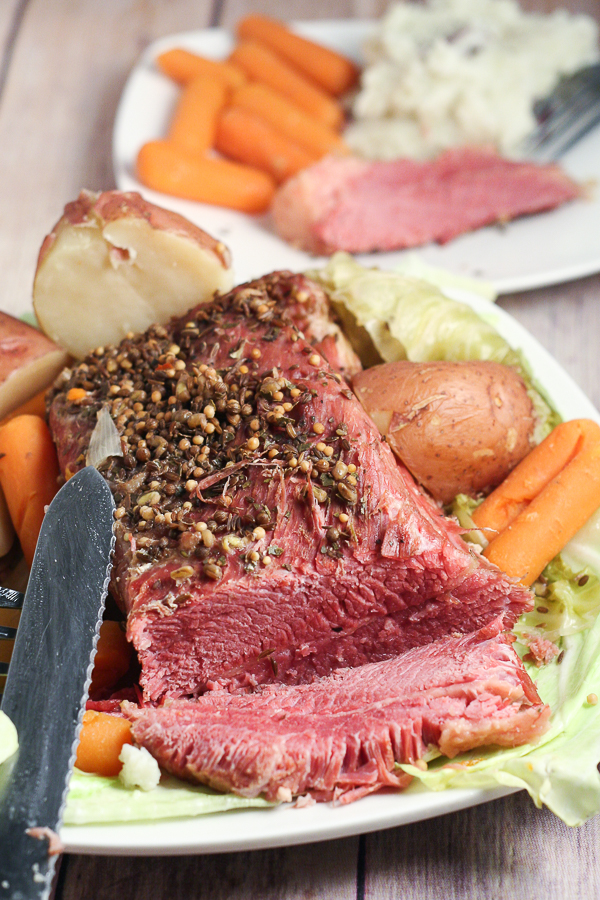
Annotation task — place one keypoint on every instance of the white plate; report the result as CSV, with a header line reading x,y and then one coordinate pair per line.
x,y
532,252
254,829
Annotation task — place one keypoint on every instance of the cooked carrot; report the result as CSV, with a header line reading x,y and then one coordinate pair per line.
x,y
332,71
262,65
183,66
113,656
34,407
244,136
28,475
166,168
288,119
534,472
100,743
194,122
545,500
75,394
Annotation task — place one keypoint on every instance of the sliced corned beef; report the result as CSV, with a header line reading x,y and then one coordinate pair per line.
x,y
342,203
341,736
265,531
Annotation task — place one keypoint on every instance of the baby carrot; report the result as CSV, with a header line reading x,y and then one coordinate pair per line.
x,y
244,136
288,119
100,743
194,123
164,167
332,71
551,495
534,472
183,66
262,65
28,475
113,656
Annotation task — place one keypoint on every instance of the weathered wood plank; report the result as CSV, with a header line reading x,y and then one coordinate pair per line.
x,y
565,318
11,12
325,871
303,9
506,850
68,67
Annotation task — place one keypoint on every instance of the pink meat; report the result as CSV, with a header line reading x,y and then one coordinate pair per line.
x,y
351,562
341,736
342,203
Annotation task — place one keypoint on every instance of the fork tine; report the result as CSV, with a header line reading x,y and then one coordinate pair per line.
x,y
10,599
7,633
567,114
554,143
585,80
563,113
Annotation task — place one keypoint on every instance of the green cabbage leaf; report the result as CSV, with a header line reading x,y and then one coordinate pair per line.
x,y
93,799
390,315
403,315
561,770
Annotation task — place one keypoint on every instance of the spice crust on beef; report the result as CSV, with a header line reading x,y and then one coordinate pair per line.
x,y
180,420
264,530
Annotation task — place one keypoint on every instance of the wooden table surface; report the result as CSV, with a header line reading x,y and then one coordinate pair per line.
x,y
63,65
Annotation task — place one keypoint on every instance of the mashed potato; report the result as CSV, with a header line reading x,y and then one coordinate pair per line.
x,y
453,72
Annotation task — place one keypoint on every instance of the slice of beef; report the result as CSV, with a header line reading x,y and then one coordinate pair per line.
x,y
265,531
359,206
340,736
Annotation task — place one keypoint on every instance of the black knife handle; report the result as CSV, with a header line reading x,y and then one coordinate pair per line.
x,y
49,676
10,599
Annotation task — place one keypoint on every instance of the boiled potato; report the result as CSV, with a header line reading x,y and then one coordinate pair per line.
x,y
115,263
29,362
459,427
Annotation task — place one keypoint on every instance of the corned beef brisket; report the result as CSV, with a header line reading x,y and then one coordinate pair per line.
x,y
346,203
339,737
265,532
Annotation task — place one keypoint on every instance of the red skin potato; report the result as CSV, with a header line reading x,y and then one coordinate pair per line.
x,y
459,427
113,205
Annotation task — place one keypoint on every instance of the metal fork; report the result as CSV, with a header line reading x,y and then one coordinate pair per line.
x,y
569,112
9,599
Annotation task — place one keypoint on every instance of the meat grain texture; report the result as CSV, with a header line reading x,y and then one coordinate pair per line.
x,y
265,533
347,203
340,737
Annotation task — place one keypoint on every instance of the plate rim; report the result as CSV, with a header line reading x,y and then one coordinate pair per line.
x,y
157,837
125,179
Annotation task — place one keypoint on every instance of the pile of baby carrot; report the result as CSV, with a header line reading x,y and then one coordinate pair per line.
x,y
243,126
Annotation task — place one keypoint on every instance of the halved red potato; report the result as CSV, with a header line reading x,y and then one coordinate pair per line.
x,y
29,362
115,263
458,427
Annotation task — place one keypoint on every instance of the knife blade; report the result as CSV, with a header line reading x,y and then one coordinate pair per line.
x,y
49,677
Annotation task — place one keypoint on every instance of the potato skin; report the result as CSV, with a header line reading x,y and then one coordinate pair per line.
x,y
458,427
29,362
110,206
115,263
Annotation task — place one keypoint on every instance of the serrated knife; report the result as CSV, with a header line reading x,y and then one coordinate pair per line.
x,y
49,677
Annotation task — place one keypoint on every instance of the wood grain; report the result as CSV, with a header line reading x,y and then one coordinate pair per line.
x,y
503,850
314,872
69,64
65,65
